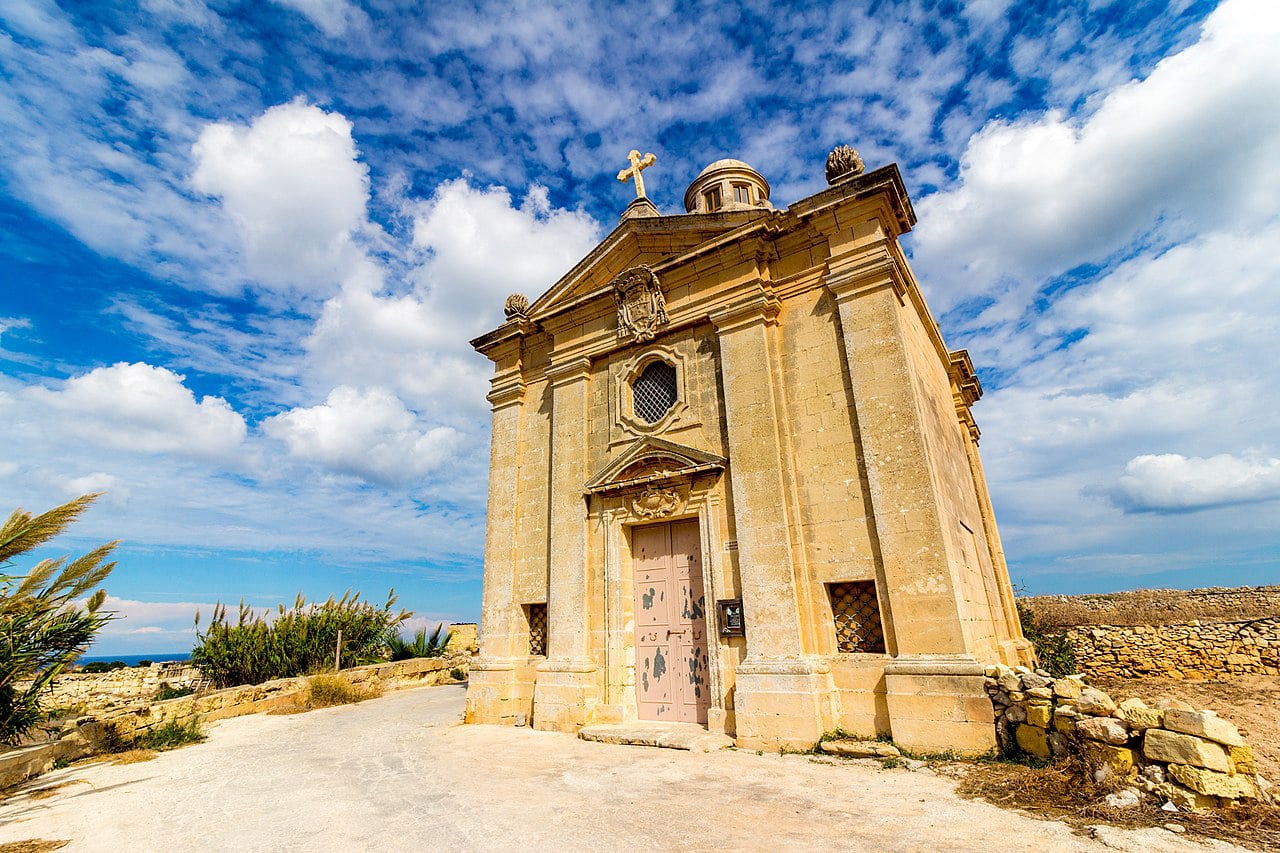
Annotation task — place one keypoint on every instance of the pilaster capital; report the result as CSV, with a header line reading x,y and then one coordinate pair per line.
x,y
759,308
569,370
506,389
857,273
964,380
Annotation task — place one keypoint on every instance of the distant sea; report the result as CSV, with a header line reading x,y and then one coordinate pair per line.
x,y
133,660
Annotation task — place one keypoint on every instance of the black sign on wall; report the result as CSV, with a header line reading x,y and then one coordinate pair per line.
x,y
731,622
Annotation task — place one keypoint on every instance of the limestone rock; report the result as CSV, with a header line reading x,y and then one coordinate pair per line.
x,y
1139,717
1214,784
1184,798
1242,760
1176,748
1040,693
1107,760
1066,688
1168,704
1033,740
1009,681
1031,681
1126,799
1039,715
1103,729
1095,702
1016,714
860,749
1205,724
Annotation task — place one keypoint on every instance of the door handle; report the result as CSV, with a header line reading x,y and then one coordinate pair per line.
x,y
670,632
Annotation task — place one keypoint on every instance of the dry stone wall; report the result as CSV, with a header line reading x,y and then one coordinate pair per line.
x,y
97,691
1171,752
1192,650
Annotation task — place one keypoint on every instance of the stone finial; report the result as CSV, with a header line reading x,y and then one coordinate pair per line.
x,y
517,306
632,173
843,163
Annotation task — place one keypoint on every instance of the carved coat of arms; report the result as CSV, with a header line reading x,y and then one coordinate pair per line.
x,y
641,309
655,502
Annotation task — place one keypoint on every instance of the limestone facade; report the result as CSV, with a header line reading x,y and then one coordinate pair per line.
x,y
735,479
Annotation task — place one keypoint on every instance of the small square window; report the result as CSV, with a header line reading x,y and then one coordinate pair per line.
x,y
712,197
857,616
537,616
742,193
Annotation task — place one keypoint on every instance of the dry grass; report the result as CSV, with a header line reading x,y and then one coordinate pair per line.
x,y
133,756
1155,607
1060,792
325,691
35,845
49,790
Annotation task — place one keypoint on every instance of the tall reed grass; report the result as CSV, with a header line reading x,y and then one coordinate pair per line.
x,y
259,646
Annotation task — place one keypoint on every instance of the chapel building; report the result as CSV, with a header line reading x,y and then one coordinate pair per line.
x,y
735,481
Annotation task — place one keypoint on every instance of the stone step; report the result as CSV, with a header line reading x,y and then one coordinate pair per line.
x,y
690,736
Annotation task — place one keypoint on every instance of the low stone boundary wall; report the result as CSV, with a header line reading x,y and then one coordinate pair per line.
x,y
1172,752
83,737
1192,650
96,691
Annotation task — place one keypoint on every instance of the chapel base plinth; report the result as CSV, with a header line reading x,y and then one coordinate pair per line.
x,y
939,705
781,704
566,695
500,692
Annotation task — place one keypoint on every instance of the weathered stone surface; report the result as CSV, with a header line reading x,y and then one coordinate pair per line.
x,y
1177,748
1214,784
1095,702
1103,729
1032,681
1205,724
1039,715
1136,713
860,749
1033,740
1010,681
1185,798
1170,704
1126,799
1107,760
1067,688
1016,714
1040,693
1242,760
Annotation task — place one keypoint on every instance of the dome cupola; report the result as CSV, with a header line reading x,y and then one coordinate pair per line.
x,y
727,185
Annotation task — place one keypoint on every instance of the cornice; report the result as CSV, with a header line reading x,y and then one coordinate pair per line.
x,y
758,308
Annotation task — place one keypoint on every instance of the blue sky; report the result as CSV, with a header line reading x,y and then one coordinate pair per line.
x,y
243,245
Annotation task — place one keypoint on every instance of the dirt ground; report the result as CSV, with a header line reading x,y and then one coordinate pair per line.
x,y
1252,702
401,773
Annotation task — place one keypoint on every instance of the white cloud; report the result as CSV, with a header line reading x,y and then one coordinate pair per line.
x,y
368,434
1173,482
294,184
143,408
1176,152
333,17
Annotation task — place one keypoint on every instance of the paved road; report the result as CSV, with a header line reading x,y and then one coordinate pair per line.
x,y
401,773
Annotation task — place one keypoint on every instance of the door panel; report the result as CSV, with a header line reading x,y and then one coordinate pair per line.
x,y
671,626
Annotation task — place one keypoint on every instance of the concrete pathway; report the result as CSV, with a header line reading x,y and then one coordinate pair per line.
x,y
400,773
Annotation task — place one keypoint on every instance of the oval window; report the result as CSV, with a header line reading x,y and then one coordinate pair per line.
x,y
654,392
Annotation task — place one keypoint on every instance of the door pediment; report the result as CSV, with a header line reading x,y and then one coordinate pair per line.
x,y
652,460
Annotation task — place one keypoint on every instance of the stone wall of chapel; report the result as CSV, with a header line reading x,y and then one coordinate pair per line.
x,y
533,487
967,550
834,520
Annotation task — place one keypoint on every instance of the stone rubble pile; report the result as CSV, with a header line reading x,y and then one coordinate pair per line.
x,y
1171,752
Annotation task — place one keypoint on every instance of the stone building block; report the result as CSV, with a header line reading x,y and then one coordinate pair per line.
x,y
1033,740
780,705
1103,729
1095,702
1067,688
1039,715
1205,724
1139,717
939,705
1214,784
1242,760
1177,748
564,697
1113,760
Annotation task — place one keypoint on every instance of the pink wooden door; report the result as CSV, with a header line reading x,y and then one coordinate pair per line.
x,y
671,624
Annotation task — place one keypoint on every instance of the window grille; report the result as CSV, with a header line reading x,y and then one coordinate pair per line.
x,y
654,392
537,614
857,617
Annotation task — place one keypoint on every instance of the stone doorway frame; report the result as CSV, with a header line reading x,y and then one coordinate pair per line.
x,y
612,513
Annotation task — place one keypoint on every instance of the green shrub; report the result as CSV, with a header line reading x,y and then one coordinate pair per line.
x,y
170,734
142,664
104,666
457,674
1052,648
49,616
324,691
299,641
423,645
167,691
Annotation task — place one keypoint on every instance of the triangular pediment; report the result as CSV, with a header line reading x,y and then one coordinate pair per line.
x,y
650,460
644,240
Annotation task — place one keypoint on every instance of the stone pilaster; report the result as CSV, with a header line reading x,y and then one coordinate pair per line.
x,y
567,689
500,688
781,697
933,679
